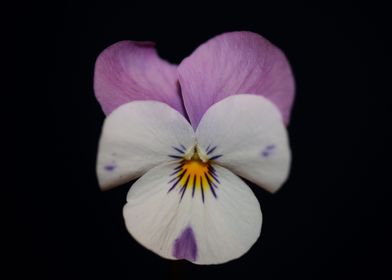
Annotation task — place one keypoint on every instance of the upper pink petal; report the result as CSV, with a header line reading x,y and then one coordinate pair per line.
x,y
128,71
234,63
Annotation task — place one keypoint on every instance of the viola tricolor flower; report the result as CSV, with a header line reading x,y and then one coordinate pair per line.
x,y
190,132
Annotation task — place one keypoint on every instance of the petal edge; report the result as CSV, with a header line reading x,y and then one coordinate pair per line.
x,y
129,70
233,63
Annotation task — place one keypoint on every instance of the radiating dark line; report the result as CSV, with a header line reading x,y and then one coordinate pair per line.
x,y
178,167
211,184
179,179
177,176
183,147
194,185
184,187
187,180
212,190
214,176
210,151
178,150
208,147
215,157
208,179
174,185
176,170
211,169
201,187
174,156
183,173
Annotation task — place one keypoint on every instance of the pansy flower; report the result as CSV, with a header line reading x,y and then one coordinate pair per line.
x,y
190,132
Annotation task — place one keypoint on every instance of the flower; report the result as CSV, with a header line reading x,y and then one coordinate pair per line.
x,y
236,90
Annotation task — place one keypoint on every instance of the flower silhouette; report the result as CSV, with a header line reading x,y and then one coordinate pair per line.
x,y
190,132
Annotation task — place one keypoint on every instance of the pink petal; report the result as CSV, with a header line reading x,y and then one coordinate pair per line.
x,y
233,63
128,71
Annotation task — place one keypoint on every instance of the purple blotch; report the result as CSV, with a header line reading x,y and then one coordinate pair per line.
x,y
185,245
268,150
110,167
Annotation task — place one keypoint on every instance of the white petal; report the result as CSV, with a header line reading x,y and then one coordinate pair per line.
x,y
246,134
176,224
138,136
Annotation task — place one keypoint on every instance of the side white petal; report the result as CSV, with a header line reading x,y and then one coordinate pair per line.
x,y
138,136
220,228
246,134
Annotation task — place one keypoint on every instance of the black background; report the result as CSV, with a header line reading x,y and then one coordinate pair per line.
x,y
331,220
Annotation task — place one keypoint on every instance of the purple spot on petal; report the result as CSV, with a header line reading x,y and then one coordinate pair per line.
x,y
185,245
268,150
110,167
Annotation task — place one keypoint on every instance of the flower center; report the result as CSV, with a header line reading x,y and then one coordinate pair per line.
x,y
194,172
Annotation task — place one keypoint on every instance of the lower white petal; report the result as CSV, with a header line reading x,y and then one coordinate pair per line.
x,y
210,220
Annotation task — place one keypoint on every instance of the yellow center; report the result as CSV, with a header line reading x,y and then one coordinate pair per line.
x,y
194,171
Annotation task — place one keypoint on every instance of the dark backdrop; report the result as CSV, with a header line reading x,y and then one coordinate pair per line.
x,y
329,221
